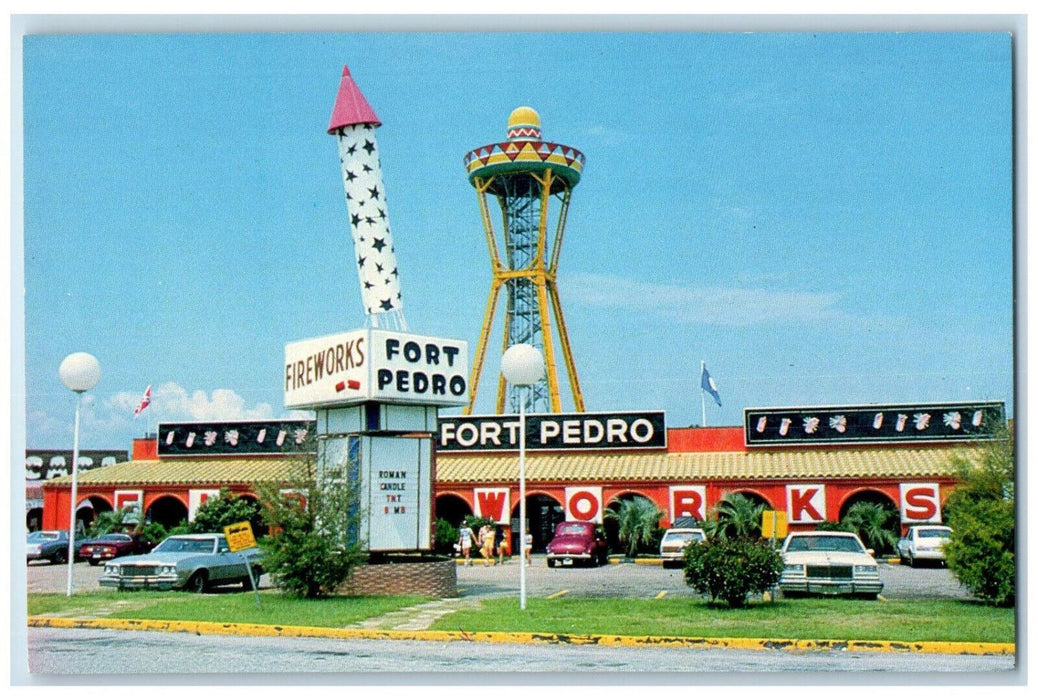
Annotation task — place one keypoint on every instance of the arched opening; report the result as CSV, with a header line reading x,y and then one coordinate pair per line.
x,y
875,517
34,519
612,525
167,511
451,508
259,527
738,514
543,513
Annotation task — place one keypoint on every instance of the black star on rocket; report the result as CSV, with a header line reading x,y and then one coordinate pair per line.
x,y
361,261
387,304
379,244
378,267
395,273
374,192
370,221
381,213
367,168
355,219
352,149
368,285
350,177
368,146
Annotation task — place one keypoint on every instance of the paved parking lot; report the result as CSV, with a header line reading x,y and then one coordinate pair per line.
x,y
613,581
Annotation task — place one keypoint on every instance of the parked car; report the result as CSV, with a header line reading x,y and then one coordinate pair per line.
x,y
188,562
674,541
923,543
114,544
577,541
828,563
48,544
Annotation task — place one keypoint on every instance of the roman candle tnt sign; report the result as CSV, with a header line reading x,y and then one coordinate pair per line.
x,y
920,503
805,503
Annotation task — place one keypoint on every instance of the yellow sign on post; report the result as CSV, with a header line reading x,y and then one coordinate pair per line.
x,y
773,524
239,536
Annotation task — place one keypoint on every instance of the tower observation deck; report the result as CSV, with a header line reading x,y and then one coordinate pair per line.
x,y
525,175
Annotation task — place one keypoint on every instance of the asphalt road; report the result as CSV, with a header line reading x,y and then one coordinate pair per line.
x,y
613,581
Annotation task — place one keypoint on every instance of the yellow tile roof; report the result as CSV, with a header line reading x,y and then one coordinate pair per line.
x,y
576,467
696,466
215,472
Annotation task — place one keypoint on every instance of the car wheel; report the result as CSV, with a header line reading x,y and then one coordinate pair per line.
x,y
60,557
551,563
93,562
198,582
911,561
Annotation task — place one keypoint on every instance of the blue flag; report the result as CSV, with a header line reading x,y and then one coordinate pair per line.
x,y
707,382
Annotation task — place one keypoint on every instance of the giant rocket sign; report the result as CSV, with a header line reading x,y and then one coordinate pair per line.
x,y
353,122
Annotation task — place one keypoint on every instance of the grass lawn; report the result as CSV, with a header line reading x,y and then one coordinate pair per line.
x,y
220,607
808,618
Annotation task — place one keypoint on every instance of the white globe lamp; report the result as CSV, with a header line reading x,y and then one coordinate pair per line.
x,y
522,365
80,372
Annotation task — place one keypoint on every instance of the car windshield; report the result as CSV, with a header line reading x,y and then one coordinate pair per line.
x,y
175,544
935,532
824,543
43,536
114,538
573,530
682,537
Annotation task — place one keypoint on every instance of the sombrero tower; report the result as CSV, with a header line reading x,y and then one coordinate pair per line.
x,y
526,175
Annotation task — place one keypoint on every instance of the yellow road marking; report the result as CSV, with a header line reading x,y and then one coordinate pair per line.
x,y
557,594
660,594
230,628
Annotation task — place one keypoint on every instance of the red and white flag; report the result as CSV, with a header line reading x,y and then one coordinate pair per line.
x,y
145,402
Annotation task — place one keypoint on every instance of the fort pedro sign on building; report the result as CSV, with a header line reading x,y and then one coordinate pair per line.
x,y
558,431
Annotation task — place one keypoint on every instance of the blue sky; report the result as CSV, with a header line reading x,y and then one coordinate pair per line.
x,y
822,218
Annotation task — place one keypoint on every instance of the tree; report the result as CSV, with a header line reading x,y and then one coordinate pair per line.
x,y
730,569
981,551
110,521
874,524
737,515
315,524
638,521
223,510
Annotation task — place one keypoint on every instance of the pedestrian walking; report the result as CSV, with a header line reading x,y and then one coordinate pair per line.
x,y
528,547
486,544
499,544
465,537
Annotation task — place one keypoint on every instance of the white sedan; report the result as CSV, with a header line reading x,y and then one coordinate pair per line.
x,y
828,563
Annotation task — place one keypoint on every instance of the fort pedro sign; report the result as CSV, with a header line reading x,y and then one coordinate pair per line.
x,y
561,431
375,365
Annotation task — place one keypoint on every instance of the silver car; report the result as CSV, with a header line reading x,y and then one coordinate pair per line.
x,y
674,541
189,562
828,563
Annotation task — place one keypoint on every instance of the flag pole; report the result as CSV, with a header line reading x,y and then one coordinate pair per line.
x,y
702,391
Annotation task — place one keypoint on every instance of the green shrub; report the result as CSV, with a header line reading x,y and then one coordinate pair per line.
x,y
223,510
732,569
981,551
446,537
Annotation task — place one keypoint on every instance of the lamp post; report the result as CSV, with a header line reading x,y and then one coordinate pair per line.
x,y
522,365
79,372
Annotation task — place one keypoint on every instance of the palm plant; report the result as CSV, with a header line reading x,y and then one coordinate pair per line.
x,y
737,515
637,520
874,524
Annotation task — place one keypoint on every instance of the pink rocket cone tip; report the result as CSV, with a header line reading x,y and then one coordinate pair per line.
x,y
350,106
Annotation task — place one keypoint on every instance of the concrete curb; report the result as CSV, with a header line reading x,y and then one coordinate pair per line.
x,y
230,628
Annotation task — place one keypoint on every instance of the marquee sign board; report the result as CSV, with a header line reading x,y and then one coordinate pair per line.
x,y
646,430
376,365
237,438
894,423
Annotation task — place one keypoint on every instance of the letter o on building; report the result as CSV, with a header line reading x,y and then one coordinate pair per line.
x,y
583,504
